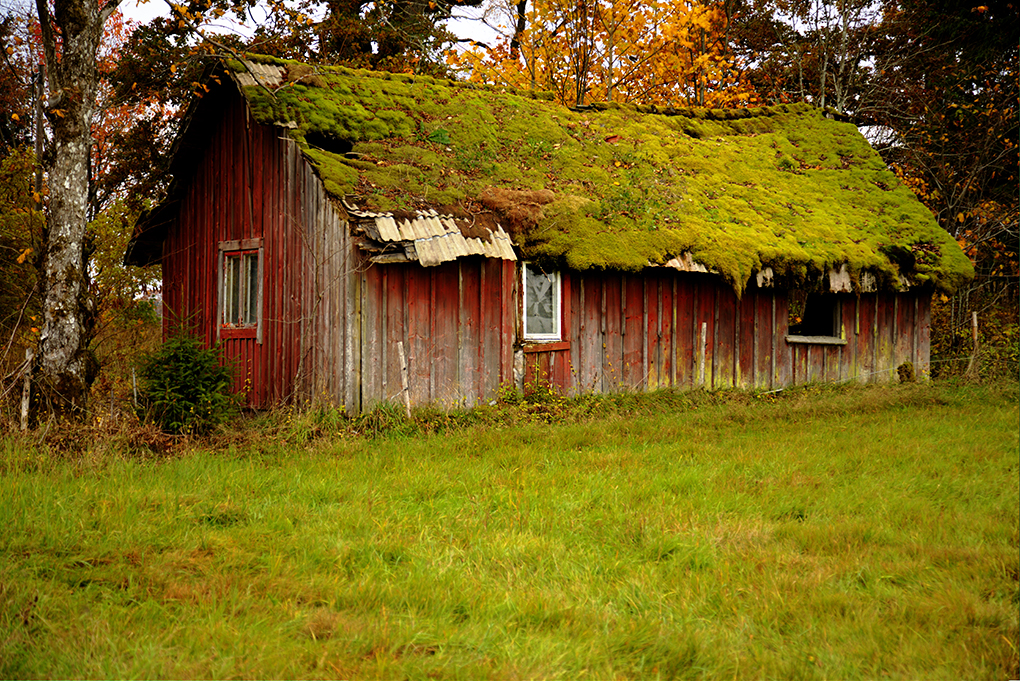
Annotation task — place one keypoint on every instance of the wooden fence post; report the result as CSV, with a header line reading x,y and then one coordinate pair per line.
x,y
972,366
26,390
702,348
403,379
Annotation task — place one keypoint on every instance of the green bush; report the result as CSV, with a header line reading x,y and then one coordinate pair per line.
x,y
185,388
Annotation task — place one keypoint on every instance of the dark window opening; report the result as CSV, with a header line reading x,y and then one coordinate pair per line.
x,y
814,314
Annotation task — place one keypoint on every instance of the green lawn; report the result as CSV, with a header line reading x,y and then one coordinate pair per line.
x,y
834,533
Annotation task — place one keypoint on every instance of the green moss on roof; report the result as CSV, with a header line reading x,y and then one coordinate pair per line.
x,y
782,187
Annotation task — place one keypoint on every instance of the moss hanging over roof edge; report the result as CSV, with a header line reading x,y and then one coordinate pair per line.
x,y
627,186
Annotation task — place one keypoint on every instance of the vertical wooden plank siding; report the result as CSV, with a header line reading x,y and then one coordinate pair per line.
x,y
490,322
762,331
591,358
887,345
250,184
745,365
331,320
726,340
746,338
458,352
633,301
685,333
707,317
667,322
903,336
612,329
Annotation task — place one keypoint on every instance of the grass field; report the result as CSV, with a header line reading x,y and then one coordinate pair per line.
x,y
824,533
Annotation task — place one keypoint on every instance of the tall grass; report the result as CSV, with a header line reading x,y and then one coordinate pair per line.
x,y
822,534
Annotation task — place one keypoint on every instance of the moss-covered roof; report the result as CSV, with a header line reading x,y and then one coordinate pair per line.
x,y
619,186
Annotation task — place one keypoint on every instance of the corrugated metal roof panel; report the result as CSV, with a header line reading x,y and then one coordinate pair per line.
x,y
686,263
405,230
265,74
429,253
420,229
445,249
435,238
388,228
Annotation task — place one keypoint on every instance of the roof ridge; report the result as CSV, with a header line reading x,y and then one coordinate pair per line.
x,y
261,62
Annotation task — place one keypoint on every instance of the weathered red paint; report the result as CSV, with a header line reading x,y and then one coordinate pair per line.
x,y
331,320
247,183
746,337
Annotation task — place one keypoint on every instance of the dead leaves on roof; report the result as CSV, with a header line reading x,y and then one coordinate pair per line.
x,y
521,209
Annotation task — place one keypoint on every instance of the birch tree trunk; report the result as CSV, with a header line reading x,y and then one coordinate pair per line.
x,y
70,43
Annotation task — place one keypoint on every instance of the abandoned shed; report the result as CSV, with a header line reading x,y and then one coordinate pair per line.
x,y
323,223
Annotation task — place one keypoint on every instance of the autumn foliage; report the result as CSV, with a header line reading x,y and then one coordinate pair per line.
x,y
668,52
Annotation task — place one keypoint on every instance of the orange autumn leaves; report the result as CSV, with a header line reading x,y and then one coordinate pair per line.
x,y
666,52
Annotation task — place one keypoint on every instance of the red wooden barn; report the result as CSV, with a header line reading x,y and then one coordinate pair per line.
x,y
322,220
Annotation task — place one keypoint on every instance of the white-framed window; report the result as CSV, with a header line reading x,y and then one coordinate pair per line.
x,y
542,293
240,284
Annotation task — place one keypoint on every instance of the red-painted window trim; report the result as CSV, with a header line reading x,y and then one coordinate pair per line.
x,y
547,347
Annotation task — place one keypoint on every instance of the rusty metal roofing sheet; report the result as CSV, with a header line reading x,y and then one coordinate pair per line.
x,y
686,263
436,238
266,74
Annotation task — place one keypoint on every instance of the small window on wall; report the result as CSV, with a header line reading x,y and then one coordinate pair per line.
x,y
814,318
240,287
541,304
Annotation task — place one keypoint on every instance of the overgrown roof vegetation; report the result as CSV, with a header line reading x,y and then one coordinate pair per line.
x,y
620,186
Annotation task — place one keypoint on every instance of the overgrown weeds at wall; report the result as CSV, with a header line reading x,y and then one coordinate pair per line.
x,y
106,438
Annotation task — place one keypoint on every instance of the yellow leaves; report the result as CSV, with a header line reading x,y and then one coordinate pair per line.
x,y
15,117
960,217
24,255
173,68
648,51
59,113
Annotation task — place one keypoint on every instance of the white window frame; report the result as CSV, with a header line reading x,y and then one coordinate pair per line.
x,y
557,288
233,249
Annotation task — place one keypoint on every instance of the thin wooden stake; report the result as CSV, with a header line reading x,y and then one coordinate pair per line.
x,y
403,379
701,353
26,390
972,365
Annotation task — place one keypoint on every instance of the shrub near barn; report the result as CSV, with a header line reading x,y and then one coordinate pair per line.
x,y
185,387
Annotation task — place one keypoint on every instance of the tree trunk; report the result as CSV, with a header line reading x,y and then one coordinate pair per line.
x,y
63,374
522,24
